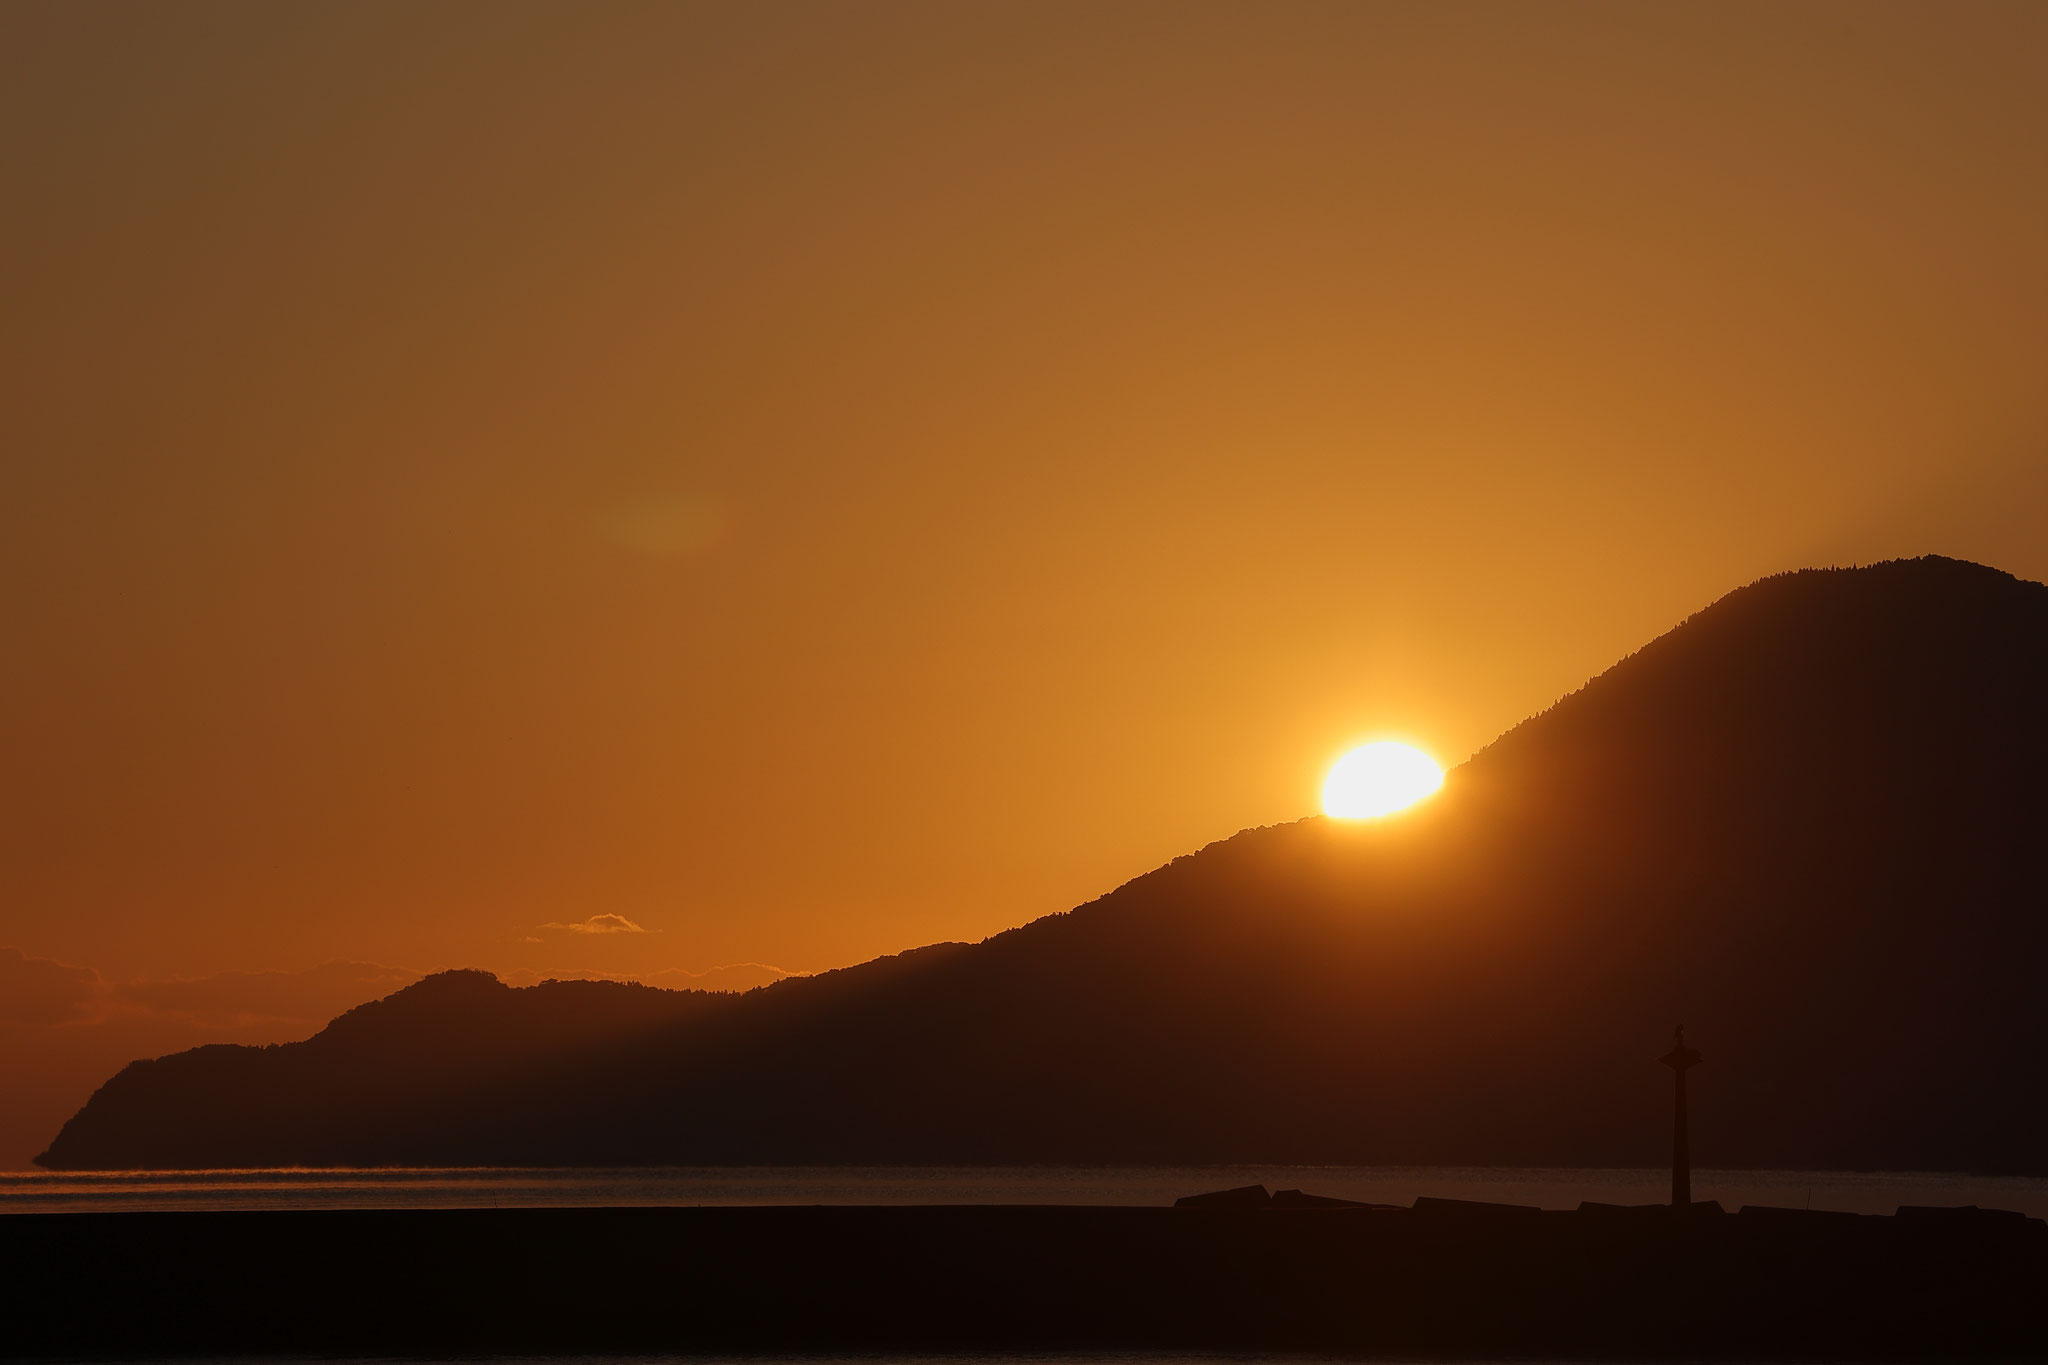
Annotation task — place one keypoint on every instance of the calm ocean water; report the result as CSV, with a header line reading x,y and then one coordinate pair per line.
x,y
44,1192
1098,1358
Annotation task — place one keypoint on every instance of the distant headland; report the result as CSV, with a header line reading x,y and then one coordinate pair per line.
x,y
1810,819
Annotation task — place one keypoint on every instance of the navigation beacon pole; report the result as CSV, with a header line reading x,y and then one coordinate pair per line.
x,y
1680,1059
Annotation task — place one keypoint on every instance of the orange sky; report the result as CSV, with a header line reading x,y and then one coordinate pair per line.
x,y
813,480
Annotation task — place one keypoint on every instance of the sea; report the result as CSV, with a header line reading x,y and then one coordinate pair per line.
x,y
30,1192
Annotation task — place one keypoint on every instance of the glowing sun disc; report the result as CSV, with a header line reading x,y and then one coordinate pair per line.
x,y
1379,779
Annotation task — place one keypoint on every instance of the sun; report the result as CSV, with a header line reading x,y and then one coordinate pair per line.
x,y
1379,779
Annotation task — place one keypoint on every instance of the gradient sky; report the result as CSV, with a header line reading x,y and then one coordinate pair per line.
x,y
816,479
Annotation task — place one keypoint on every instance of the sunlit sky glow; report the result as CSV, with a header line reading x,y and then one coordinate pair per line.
x,y
809,480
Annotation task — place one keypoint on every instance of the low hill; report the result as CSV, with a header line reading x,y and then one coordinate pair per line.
x,y
1808,823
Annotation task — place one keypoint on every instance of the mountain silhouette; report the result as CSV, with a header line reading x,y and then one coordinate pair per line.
x,y
1808,823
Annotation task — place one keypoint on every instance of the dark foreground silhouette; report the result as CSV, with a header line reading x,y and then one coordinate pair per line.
x,y
1812,821
1442,1280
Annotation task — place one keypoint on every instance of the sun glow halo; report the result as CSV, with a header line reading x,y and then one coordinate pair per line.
x,y
1379,779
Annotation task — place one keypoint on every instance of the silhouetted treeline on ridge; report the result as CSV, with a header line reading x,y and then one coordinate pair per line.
x,y
1809,822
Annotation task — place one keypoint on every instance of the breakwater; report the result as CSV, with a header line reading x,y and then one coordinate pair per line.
x,y
1440,1280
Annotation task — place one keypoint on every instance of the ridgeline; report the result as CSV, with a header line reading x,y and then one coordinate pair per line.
x,y
1809,822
